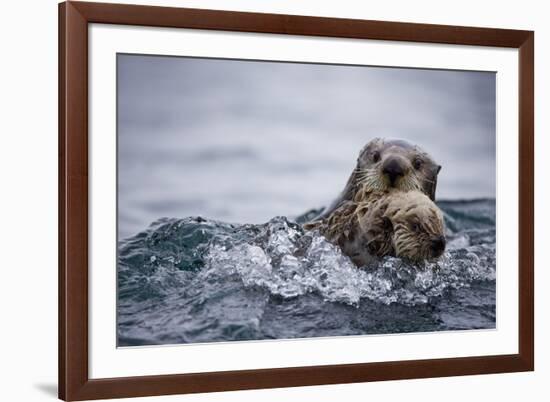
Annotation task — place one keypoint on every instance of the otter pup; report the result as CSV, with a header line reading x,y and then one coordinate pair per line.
x,y
394,223
384,165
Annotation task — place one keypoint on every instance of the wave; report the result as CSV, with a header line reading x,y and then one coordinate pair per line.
x,y
195,275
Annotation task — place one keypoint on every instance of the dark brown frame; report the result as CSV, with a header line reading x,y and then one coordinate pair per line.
x,y
74,383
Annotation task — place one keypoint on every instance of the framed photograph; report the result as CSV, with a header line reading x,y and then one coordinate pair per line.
x,y
259,200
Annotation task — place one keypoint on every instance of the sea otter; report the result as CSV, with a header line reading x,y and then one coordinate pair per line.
x,y
392,223
388,164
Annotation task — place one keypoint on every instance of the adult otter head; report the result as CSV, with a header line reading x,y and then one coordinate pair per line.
x,y
383,165
416,225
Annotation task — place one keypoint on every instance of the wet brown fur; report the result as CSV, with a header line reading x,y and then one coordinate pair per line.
x,y
394,223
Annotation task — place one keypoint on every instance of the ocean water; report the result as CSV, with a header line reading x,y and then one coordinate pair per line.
x,y
201,280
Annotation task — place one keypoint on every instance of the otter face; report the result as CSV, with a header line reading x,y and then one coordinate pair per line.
x,y
395,164
418,227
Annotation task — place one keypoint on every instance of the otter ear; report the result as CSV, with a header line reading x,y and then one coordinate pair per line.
x,y
432,188
366,147
433,185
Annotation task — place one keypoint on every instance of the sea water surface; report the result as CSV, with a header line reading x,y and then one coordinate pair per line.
x,y
201,280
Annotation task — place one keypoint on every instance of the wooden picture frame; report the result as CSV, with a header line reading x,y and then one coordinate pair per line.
x,y
74,381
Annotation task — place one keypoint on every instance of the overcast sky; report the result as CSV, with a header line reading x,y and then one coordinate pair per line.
x,y
244,140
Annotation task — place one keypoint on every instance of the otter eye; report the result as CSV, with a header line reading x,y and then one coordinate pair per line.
x,y
375,156
415,227
417,163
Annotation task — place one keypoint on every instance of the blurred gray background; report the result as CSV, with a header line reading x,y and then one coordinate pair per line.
x,y
243,141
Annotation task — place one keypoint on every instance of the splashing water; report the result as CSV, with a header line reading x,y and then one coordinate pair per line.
x,y
198,280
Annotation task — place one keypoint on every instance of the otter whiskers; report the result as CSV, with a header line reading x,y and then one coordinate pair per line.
x,y
370,179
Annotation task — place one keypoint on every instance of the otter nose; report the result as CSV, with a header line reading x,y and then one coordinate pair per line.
x,y
438,245
393,169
